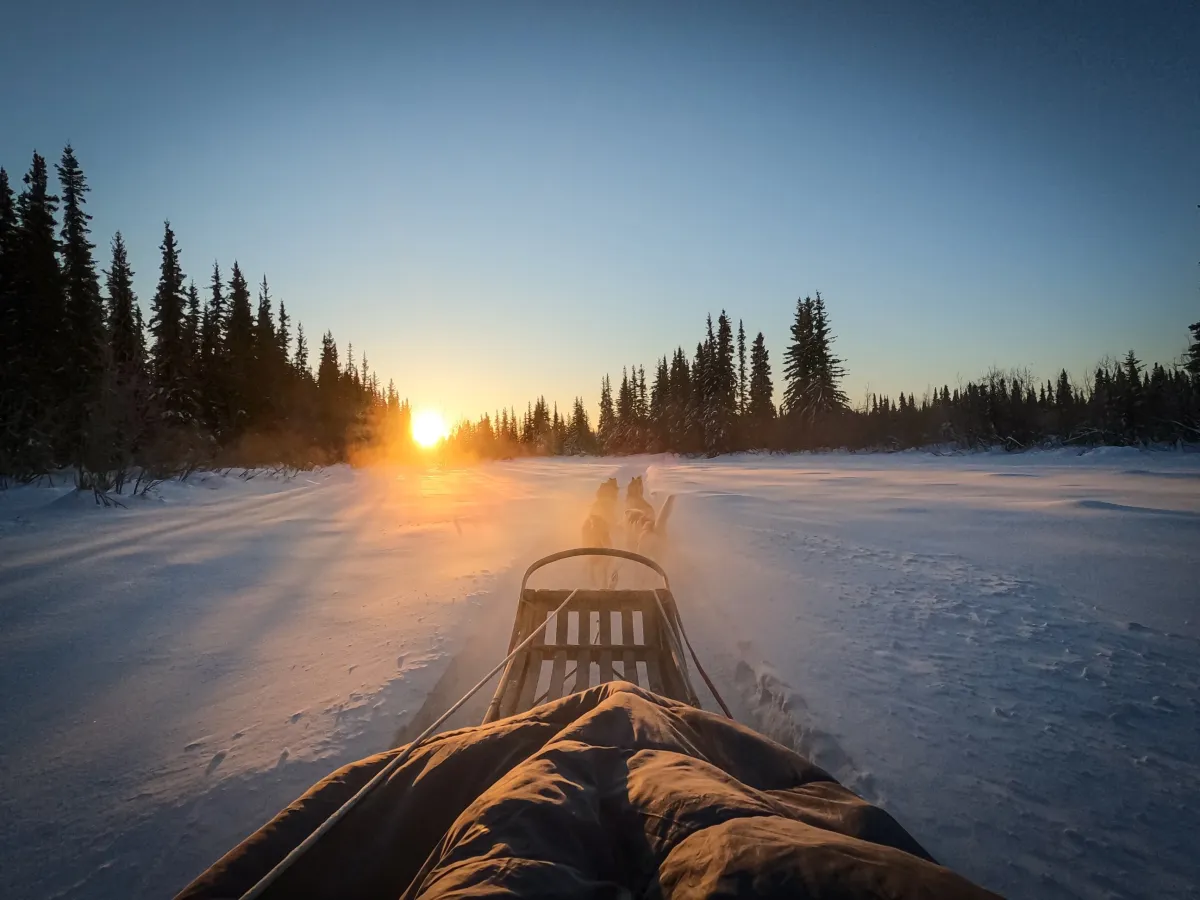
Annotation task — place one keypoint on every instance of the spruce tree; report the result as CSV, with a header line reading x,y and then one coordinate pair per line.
x,y
660,397
8,223
212,335
140,330
558,432
579,433
169,353
623,437
1062,392
606,425
333,388
238,351
38,278
300,359
8,311
191,340
698,401
285,381
1131,396
760,405
203,347
539,421
262,402
264,327
828,373
124,337
722,409
191,325
328,373
742,397
213,386
1192,360
283,336
642,405
678,434
812,371
125,379
798,364
84,327
39,363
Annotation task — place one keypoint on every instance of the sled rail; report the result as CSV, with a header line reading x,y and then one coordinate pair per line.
x,y
600,636
595,551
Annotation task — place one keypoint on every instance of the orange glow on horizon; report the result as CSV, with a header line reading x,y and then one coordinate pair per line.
x,y
429,428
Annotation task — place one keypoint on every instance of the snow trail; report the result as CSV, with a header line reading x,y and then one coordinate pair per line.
x,y
176,672
1001,650
987,678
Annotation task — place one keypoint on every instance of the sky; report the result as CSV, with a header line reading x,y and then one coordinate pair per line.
x,y
499,200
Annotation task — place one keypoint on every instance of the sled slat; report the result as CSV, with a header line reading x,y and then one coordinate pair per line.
x,y
565,654
572,652
606,646
529,680
516,671
651,635
583,662
628,657
614,600
533,666
507,690
559,670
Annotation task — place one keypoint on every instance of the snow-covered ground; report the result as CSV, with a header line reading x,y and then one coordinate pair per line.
x,y
1004,651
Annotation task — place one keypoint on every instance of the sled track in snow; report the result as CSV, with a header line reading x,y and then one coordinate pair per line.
x,y
483,648
780,713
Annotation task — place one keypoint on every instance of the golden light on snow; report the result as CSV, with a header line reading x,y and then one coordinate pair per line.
x,y
428,427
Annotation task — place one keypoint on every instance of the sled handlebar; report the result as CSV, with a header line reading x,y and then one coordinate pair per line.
x,y
595,551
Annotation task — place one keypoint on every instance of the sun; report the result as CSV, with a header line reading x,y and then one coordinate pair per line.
x,y
428,427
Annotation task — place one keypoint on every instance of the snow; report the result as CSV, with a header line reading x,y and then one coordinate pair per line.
x,y
1002,650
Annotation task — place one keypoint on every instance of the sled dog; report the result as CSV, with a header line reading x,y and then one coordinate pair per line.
x,y
597,532
642,526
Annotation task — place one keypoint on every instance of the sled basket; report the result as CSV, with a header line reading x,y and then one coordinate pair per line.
x,y
601,635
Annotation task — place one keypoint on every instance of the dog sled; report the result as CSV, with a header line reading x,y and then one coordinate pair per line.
x,y
572,640
595,772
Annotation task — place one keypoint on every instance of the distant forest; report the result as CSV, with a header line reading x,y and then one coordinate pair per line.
x,y
219,376
215,378
720,400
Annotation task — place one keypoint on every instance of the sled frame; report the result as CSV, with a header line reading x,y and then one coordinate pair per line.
x,y
601,635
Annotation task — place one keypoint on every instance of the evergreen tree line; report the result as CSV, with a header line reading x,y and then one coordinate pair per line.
x,y
215,377
218,376
721,399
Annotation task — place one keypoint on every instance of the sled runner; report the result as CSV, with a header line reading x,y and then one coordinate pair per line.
x,y
599,636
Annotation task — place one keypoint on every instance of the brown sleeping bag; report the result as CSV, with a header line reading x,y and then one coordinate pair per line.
x,y
611,792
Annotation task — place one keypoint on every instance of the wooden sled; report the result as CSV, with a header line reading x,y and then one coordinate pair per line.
x,y
601,635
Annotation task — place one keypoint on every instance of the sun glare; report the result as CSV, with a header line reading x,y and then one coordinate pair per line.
x,y
428,427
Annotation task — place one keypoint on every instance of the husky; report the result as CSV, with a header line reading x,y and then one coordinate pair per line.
x,y
597,532
641,522
635,498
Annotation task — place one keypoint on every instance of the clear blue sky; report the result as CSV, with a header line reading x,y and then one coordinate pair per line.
x,y
497,200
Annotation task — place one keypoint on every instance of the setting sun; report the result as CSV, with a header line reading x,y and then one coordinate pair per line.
x,y
428,427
